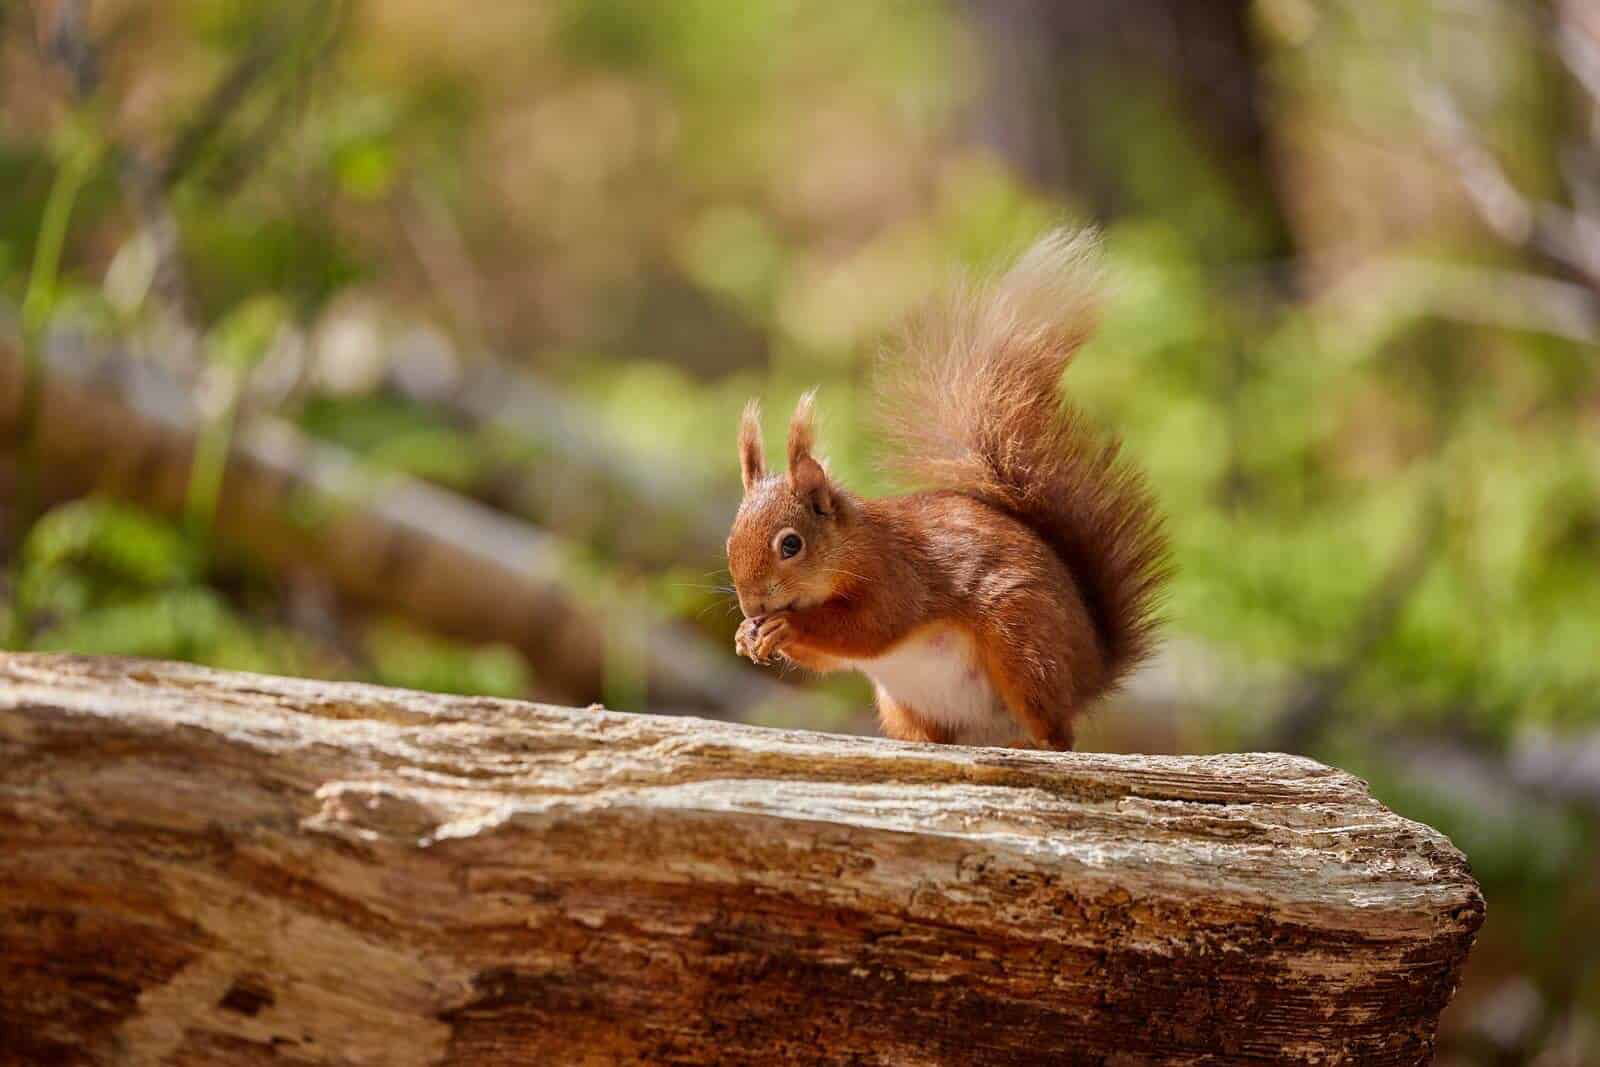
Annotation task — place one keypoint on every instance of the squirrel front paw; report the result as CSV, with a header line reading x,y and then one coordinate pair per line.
x,y
761,638
744,636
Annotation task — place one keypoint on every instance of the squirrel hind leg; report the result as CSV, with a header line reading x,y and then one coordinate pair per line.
x,y
1035,682
903,723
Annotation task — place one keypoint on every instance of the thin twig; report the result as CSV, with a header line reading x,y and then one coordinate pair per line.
x,y
1580,52
1569,237
1503,208
220,104
1508,299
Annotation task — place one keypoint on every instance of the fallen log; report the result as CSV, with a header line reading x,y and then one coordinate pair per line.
x,y
205,867
124,428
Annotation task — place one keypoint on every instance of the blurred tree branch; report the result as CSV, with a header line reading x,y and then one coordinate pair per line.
x,y
225,97
1567,236
74,49
147,176
110,424
1380,291
1549,229
301,44
649,513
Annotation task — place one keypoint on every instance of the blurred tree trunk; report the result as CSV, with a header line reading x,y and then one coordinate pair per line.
x,y
1059,79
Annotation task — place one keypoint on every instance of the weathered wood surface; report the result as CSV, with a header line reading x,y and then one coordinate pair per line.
x,y
199,867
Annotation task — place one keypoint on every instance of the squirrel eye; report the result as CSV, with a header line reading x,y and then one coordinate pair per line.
x,y
790,545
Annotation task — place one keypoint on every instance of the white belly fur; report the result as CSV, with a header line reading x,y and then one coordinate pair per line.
x,y
937,674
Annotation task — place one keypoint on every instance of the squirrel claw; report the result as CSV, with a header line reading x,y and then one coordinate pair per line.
x,y
771,634
744,636
761,638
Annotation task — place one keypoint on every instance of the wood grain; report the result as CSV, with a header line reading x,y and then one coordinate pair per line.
x,y
199,867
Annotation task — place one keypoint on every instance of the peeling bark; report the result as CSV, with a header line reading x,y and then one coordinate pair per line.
x,y
205,867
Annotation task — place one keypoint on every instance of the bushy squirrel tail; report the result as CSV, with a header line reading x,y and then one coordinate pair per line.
x,y
971,401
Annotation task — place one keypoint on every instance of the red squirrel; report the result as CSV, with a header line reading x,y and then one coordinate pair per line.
x,y
1018,587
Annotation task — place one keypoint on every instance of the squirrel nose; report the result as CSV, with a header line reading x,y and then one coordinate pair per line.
x,y
757,604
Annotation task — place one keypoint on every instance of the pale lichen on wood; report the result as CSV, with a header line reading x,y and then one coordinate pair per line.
x,y
204,867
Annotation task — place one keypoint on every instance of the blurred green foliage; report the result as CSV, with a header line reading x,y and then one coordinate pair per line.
x,y
98,577
662,209
793,166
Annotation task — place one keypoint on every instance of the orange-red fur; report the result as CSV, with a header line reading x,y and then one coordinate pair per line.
x,y
905,724
1033,537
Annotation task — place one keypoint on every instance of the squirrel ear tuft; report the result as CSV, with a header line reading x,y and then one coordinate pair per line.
x,y
802,428
752,460
806,475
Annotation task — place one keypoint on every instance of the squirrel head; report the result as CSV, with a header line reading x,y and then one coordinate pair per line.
x,y
789,531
